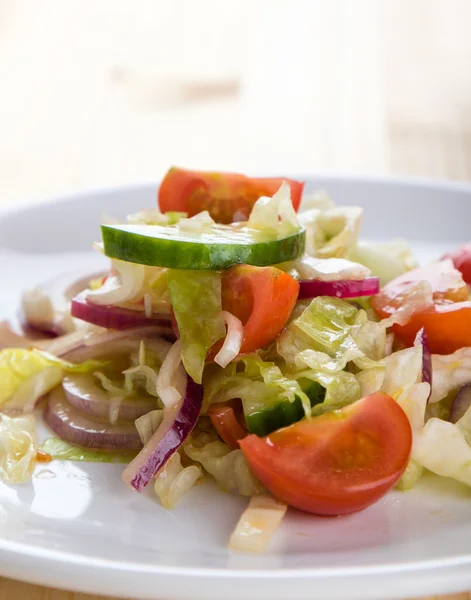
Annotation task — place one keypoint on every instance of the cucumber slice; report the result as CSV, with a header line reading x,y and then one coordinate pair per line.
x,y
213,248
262,419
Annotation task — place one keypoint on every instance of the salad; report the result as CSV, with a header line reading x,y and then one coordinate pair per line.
x,y
244,333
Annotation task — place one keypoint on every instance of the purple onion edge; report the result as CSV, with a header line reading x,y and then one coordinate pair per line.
x,y
183,424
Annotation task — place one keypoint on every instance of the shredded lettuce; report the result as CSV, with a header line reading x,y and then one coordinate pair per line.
x,y
254,381
276,215
410,477
403,370
17,448
325,269
387,260
325,327
173,481
129,283
61,450
26,375
257,524
228,467
153,216
450,372
319,200
196,302
442,448
334,232
148,424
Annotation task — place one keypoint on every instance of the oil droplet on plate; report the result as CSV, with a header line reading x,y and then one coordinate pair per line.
x,y
45,474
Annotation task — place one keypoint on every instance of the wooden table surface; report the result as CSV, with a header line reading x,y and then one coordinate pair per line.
x,y
99,93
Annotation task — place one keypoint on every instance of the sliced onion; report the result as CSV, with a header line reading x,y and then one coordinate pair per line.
x,y
45,309
116,342
70,425
233,340
84,394
177,424
171,380
114,317
346,288
461,404
422,340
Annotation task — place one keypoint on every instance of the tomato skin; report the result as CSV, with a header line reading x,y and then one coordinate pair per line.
x,y
338,463
263,298
448,327
447,323
446,282
227,418
462,260
228,197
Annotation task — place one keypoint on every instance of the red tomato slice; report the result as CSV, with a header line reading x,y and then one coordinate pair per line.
x,y
447,324
228,197
448,327
462,260
263,298
337,463
228,418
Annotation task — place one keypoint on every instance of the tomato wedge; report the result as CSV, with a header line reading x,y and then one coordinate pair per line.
x,y
462,260
447,323
338,463
228,197
228,418
448,327
263,298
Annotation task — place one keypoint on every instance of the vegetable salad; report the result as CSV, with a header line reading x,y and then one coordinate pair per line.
x,y
244,333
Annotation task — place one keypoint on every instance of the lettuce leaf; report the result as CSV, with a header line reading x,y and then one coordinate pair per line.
x,y
325,327
26,375
254,381
442,448
228,467
275,216
450,372
62,450
173,481
196,303
17,448
385,260
332,233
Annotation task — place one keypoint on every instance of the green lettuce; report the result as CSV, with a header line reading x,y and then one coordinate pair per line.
x,y
17,448
26,375
196,302
254,381
386,260
61,450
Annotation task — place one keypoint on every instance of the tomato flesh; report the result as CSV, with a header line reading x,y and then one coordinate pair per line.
x,y
462,260
447,323
338,463
263,298
228,197
448,327
228,420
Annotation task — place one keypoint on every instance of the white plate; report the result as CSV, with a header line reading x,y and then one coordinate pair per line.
x,y
77,526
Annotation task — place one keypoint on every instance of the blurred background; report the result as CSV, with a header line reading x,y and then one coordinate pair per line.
x,y
105,92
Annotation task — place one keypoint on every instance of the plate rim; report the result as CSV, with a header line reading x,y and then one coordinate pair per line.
x,y
13,207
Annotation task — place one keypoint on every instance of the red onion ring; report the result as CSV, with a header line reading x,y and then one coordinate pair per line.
x,y
71,426
115,342
343,288
113,317
461,404
60,291
177,425
84,394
